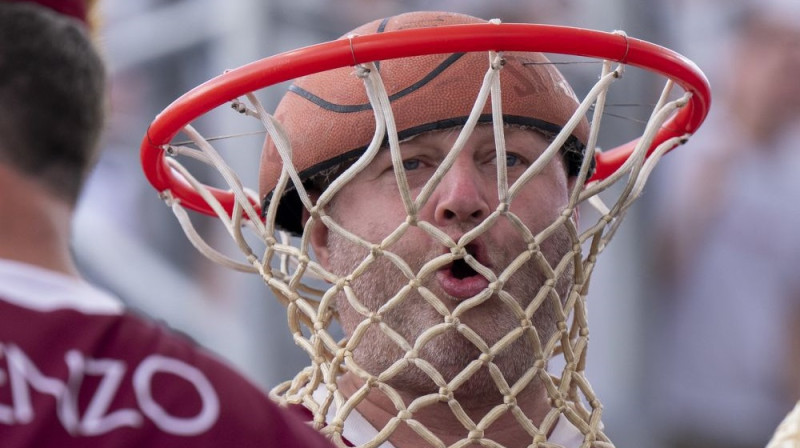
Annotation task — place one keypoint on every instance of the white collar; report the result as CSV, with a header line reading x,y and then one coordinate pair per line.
x,y
44,290
565,434
359,431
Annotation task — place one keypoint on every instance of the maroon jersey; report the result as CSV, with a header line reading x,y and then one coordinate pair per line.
x,y
76,370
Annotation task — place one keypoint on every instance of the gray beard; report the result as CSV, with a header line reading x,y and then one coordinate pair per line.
x,y
450,351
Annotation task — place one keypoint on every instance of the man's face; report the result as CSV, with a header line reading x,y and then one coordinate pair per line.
x,y
445,309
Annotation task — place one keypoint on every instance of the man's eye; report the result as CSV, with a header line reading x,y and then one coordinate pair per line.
x,y
411,164
513,160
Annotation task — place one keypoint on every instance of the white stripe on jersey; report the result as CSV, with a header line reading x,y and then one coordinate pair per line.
x,y
43,290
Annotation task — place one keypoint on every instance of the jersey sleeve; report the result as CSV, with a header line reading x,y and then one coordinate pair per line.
x,y
71,379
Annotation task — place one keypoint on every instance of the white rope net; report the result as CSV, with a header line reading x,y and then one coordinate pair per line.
x,y
787,435
553,353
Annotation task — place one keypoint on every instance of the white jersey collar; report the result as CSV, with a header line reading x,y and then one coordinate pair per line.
x,y
44,290
359,431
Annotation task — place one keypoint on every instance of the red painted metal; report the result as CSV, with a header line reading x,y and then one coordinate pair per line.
x,y
414,42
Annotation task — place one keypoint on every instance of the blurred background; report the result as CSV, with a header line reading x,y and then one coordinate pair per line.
x,y
693,307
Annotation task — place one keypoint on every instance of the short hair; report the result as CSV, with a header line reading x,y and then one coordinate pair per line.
x,y
52,97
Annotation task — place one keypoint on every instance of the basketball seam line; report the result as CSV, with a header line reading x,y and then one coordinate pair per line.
x,y
345,109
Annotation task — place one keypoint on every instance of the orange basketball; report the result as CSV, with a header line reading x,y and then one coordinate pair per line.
x,y
329,120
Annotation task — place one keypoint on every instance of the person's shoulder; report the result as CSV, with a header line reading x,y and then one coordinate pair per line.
x,y
180,372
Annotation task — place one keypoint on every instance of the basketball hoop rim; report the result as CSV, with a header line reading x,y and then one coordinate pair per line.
x,y
416,42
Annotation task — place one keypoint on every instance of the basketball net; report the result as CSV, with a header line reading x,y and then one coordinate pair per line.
x,y
788,433
309,291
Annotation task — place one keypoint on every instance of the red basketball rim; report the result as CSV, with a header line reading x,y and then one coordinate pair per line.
x,y
415,42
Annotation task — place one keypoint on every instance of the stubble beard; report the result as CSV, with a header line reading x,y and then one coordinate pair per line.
x,y
450,352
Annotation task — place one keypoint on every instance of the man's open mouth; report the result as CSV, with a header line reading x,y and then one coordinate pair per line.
x,y
460,269
459,279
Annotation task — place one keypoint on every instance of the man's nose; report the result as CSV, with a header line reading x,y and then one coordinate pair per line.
x,y
463,195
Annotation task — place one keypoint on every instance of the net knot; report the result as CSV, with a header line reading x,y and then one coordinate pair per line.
x,y
445,394
362,71
510,401
497,285
336,426
459,252
404,415
476,435
452,321
292,297
411,355
376,251
342,282
485,358
498,62
503,207
375,318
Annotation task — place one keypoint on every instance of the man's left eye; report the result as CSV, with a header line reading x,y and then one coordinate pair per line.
x,y
512,160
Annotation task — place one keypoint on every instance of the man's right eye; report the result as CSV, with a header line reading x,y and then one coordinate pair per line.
x,y
411,164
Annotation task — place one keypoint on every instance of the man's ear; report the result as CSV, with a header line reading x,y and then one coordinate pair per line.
x,y
318,238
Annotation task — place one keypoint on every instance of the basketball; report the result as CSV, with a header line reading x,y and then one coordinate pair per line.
x,y
329,120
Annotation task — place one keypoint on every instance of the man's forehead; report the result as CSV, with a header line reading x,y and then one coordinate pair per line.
x,y
483,132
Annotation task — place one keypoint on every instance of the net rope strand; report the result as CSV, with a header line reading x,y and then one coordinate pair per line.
x,y
787,435
294,276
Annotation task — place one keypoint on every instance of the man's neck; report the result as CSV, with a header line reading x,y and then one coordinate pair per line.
x,y
444,420
35,225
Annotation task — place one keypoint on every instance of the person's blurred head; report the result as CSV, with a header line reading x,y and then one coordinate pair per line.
x,y
762,75
52,97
